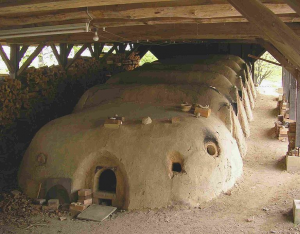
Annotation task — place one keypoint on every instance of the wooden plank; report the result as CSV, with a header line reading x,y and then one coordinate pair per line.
x,y
6,60
30,59
207,13
271,27
25,6
294,4
76,56
293,97
56,54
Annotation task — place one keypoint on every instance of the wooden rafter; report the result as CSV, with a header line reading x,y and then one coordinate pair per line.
x,y
91,50
271,27
278,56
22,6
76,56
294,4
30,59
6,60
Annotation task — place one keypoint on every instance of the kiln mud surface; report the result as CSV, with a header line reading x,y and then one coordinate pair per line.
x,y
260,203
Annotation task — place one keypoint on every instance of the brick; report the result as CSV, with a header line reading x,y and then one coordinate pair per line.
x,y
84,197
86,201
112,123
293,163
296,211
53,202
84,192
205,112
76,206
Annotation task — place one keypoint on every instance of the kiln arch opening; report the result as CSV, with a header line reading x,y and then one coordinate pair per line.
x,y
107,181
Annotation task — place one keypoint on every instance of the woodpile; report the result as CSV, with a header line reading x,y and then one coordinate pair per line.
x,y
16,209
120,60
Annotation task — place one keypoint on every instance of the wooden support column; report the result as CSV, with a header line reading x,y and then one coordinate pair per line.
x,y
30,59
293,97
63,54
77,55
14,59
286,84
271,28
297,140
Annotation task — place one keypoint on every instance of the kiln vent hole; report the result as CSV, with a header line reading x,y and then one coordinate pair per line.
x,y
176,167
108,181
212,149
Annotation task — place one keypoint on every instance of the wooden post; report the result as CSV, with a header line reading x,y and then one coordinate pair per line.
x,y
63,54
293,97
14,59
297,140
286,84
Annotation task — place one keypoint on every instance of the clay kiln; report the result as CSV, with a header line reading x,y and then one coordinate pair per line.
x,y
136,166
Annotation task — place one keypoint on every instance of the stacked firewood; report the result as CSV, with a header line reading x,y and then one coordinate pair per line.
x,y
13,97
120,60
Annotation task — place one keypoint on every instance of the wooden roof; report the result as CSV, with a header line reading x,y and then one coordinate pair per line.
x,y
137,20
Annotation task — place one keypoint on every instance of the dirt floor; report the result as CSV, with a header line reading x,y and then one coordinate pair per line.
x,y
261,202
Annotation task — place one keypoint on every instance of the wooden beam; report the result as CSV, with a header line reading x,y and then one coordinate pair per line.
x,y
98,49
69,48
278,56
271,27
56,54
294,4
207,13
91,50
30,59
109,53
24,6
6,60
76,56
265,60
23,51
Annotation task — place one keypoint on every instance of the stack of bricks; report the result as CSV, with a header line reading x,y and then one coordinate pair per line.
x,y
280,130
292,137
84,200
85,196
